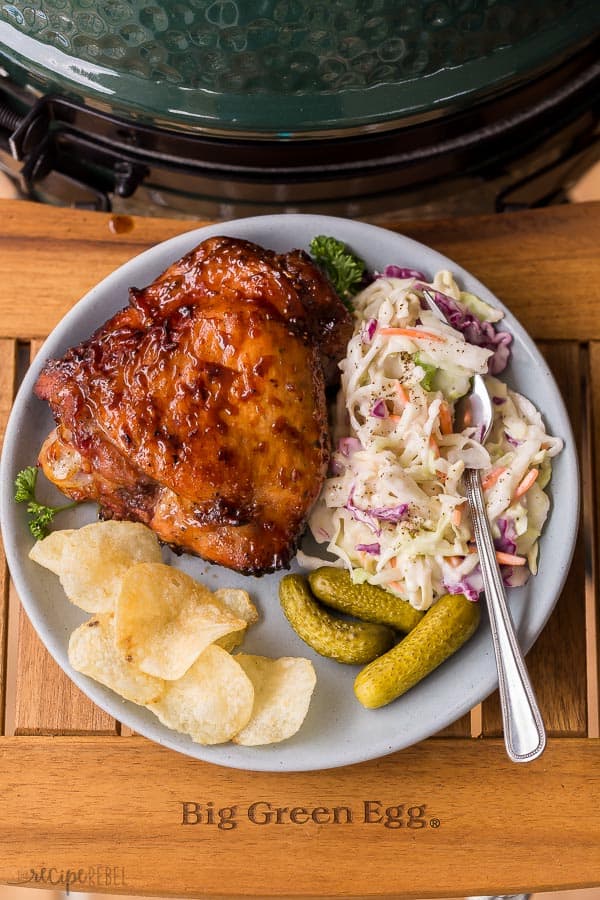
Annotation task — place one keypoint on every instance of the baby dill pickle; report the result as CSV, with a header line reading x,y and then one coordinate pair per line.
x,y
347,642
335,588
442,630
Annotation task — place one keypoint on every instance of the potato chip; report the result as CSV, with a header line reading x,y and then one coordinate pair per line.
x,y
94,559
240,604
211,702
282,691
92,651
49,551
165,619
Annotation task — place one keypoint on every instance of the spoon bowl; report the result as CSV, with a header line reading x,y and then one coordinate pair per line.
x,y
475,410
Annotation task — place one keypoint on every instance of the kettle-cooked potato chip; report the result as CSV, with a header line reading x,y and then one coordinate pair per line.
x,y
282,691
240,604
92,651
165,619
91,561
211,702
49,551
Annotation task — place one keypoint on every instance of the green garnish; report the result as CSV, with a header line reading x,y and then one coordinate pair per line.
x,y
40,515
343,268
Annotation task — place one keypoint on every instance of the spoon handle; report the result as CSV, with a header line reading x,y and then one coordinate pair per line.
x,y
523,726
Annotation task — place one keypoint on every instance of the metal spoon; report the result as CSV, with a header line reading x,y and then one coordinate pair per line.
x,y
524,733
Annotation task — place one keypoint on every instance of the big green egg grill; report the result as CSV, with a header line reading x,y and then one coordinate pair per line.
x,y
224,107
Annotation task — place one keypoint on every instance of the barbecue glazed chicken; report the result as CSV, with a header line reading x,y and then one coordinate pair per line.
x,y
200,408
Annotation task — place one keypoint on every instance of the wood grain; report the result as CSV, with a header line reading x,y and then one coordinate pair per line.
x,y
8,352
591,490
90,798
527,259
47,701
68,251
118,804
557,661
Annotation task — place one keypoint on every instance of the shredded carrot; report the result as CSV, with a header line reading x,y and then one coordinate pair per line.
x,y
457,515
434,446
526,483
509,559
491,479
413,333
402,393
445,418
397,585
394,418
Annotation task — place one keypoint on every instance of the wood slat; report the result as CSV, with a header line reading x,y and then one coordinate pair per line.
x,y
47,701
459,729
107,802
8,355
51,239
557,661
526,259
591,488
489,827
546,248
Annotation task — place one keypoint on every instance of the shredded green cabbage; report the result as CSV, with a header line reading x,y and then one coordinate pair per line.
x,y
394,509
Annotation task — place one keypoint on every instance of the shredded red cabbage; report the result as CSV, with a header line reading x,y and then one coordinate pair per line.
x,y
507,542
375,549
346,447
392,514
471,586
368,330
361,515
379,410
336,467
373,516
349,445
401,272
511,440
482,334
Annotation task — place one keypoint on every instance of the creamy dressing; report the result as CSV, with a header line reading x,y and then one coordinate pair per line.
x,y
393,509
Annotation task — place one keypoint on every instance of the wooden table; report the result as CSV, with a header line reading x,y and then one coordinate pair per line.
x,y
85,803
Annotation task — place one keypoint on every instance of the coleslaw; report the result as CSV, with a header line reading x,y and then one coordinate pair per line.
x,y
393,508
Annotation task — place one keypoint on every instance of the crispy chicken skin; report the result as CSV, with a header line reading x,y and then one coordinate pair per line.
x,y
199,409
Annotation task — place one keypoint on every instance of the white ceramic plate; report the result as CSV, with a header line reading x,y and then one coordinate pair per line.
x,y
337,731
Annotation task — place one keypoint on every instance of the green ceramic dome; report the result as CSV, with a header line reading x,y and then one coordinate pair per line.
x,y
285,67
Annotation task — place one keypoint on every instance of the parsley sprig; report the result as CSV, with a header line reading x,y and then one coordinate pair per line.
x,y
40,515
343,268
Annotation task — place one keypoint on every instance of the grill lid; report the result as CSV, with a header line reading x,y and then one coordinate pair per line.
x,y
285,68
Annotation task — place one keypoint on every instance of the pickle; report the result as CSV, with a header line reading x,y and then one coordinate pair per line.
x,y
347,642
335,588
442,630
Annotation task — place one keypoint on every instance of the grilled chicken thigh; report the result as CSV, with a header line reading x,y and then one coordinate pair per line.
x,y
199,409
